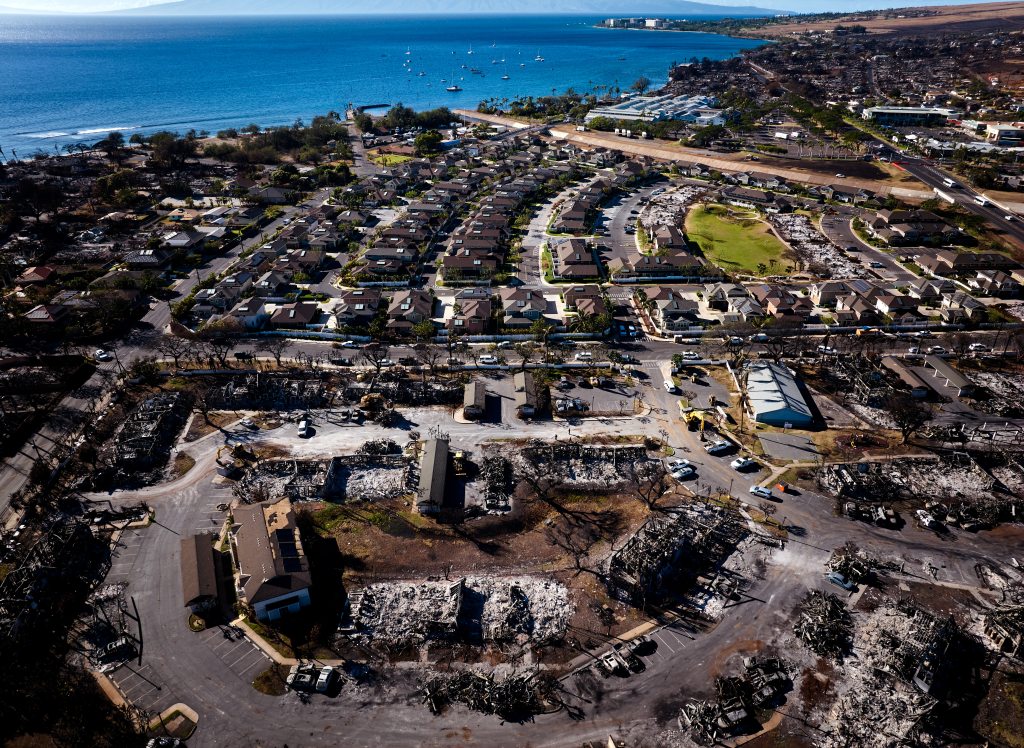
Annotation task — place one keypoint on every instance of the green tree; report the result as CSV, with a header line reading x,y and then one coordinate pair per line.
x,y
428,143
641,84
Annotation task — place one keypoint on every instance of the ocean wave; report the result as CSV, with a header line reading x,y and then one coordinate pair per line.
x,y
44,135
99,130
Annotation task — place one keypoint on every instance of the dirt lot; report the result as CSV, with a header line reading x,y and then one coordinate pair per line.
x,y
388,540
1001,713
980,17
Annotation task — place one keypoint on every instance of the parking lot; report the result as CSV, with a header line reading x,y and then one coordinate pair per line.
x,y
242,657
125,552
140,685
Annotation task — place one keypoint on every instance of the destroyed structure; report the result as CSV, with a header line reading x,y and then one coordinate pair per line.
x,y
825,625
761,685
1004,626
145,439
676,548
263,391
358,477
513,697
581,466
893,684
971,495
473,609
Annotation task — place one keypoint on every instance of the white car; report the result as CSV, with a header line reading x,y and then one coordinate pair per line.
x,y
926,519
913,350
762,492
743,463
840,176
683,473
690,356
674,465
584,356
670,388
978,348
487,358
326,679
102,355
827,349
717,446
937,350
349,344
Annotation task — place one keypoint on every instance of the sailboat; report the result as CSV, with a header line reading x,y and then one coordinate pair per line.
x,y
538,58
470,50
408,50
454,87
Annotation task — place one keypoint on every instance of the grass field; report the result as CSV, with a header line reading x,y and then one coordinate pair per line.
x,y
388,159
737,245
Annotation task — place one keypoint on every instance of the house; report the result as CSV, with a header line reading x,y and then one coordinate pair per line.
x,y
573,259
929,290
995,283
273,572
474,400
825,293
142,259
672,310
521,307
356,307
271,285
894,304
409,308
668,237
297,316
775,397
903,227
524,394
747,198
251,313
719,296
201,578
952,262
472,316
960,306
433,476
47,314
37,274
584,299
841,193
677,264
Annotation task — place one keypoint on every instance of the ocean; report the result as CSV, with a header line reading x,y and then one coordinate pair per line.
x,y
73,79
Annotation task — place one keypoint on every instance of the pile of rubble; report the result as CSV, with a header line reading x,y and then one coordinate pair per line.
x,y
855,565
476,609
669,208
1004,626
268,391
825,625
888,690
580,466
971,493
679,546
514,697
1001,393
145,439
297,480
373,477
822,257
761,685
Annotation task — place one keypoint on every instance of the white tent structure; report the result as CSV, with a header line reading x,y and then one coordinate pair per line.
x,y
774,396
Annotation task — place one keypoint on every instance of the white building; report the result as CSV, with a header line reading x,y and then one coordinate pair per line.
x,y
699,110
774,396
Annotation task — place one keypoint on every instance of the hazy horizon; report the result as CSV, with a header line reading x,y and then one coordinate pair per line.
x,y
799,6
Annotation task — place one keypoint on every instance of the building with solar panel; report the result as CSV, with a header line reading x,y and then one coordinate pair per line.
x,y
273,572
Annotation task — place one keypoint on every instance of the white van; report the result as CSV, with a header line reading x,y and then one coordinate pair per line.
x,y
305,428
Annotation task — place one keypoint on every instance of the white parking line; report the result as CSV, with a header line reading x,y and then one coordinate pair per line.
x,y
664,641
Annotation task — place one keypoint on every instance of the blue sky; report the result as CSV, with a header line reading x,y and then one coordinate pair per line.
x,y
804,6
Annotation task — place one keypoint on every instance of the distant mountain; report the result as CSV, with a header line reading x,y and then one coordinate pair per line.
x,y
612,8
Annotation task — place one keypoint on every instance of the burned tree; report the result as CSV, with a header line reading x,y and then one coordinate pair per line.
x,y
909,414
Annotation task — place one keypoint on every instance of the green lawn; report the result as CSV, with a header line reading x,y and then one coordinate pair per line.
x,y
736,244
388,159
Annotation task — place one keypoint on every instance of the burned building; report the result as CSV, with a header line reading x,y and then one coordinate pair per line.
x,y
145,439
1004,626
262,391
681,545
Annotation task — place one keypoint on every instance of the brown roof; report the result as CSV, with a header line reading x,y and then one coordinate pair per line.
x,y
198,568
271,559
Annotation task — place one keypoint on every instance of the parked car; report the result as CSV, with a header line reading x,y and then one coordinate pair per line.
x,y
678,464
717,447
302,678
734,341
489,359
978,348
348,344
759,337
249,424
584,356
690,356
684,472
670,387
505,344
840,581
327,678
305,428
827,349
761,492
876,264
936,350
913,350
743,463
927,519
102,355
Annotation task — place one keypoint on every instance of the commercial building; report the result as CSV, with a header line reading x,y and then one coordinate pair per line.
x,y
698,110
774,396
200,572
433,476
907,116
273,573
